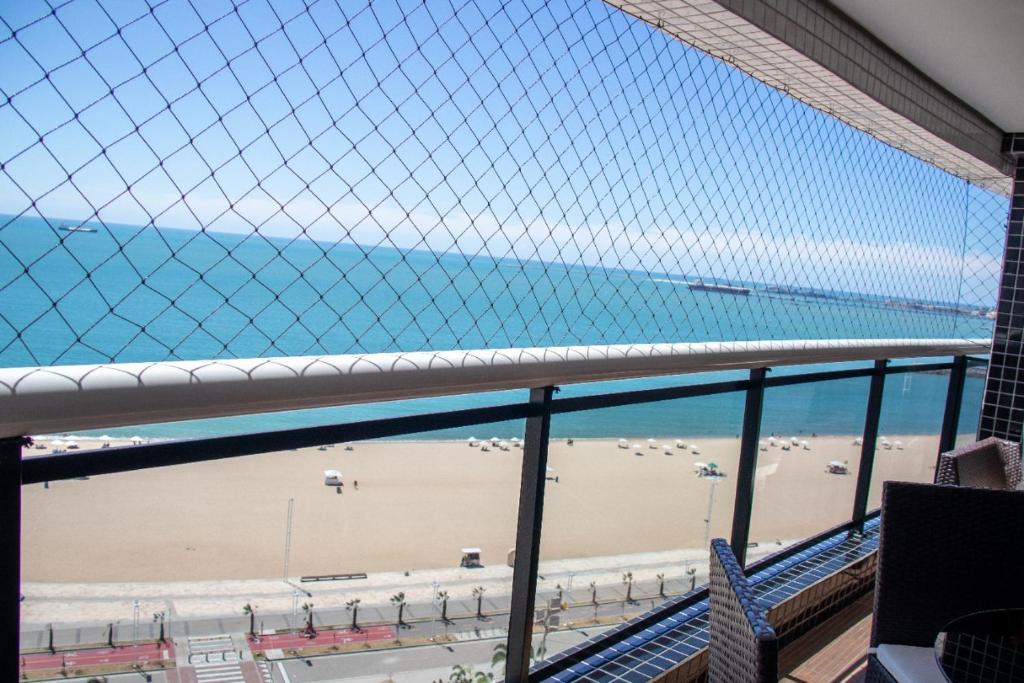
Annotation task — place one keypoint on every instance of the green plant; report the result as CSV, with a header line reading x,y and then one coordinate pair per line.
x,y
398,599
478,593
353,606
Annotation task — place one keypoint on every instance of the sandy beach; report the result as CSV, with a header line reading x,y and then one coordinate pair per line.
x,y
419,503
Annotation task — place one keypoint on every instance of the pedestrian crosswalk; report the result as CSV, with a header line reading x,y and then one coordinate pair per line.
x,y
265,673
481,634
215,660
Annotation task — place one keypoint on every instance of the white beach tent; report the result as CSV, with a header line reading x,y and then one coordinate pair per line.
x,y
680,444
136,440
623,443
473,441
503,445
332,477
72,444
652,443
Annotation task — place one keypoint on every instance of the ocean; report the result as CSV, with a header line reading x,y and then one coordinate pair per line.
x,y
136,294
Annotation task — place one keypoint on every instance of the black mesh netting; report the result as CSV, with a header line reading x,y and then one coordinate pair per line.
x,y
330,177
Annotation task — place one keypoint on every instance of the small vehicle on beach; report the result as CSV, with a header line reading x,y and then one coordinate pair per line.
x,y
471,558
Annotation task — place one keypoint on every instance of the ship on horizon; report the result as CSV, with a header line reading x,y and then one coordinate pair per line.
x,y
701,286
75,228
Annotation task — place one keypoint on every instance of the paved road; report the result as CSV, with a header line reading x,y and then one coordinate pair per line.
x,y
414,664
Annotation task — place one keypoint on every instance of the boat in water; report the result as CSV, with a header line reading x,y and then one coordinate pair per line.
x,y
75,228
701,286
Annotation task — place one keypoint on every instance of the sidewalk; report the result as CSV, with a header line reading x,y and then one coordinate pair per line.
x,y
209,608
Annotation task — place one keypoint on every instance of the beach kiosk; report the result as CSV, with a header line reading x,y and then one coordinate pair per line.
x,y
332,478
471,558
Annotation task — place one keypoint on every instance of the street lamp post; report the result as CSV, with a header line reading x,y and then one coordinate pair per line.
x,y
434,598
707,520
135,622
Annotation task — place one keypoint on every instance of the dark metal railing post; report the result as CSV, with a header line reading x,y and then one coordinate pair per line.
x,y
748,463
10,564
954,400
867,449
531,514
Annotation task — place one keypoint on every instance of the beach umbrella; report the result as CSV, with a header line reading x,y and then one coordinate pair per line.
x,y
106,437
898,444
623,443
57,442
637,446
503,445
762,445
680,444
806,446
494,440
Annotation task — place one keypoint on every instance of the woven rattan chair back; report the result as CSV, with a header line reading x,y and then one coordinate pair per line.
x,y
988,464
743,647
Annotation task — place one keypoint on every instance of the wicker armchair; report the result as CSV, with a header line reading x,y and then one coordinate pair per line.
x,y
989,464
943,552
743,646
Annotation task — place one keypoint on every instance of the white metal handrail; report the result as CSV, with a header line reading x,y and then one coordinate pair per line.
x,y
72,397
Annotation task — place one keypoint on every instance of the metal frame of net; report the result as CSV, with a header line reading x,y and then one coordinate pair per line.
x,y
285,178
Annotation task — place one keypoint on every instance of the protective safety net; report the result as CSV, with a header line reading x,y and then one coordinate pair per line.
x,y
212,179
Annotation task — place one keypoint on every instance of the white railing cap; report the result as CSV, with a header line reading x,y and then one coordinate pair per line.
x,y
73,397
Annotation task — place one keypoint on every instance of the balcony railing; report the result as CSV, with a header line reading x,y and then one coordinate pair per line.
x,y
61,399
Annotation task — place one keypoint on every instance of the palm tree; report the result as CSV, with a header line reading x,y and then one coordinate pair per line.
x,y
443,597
249,610
398,599
593,597
307,607
661,585
353,606
478,593
627,580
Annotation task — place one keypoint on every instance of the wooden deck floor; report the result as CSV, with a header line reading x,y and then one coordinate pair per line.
x,y
835,652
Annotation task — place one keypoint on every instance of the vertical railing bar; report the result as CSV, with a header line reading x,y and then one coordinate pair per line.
x,y
954,402
527,549
867,449
742,509
10,564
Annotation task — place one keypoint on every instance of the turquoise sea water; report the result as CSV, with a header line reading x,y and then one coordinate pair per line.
x,y
130,294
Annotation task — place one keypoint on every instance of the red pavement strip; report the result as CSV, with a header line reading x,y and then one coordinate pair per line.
x,y
284,641
129,654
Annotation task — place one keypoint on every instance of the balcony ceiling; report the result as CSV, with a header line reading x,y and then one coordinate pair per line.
x,y
973,49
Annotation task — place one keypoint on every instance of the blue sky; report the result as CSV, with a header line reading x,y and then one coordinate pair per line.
x,y
554,130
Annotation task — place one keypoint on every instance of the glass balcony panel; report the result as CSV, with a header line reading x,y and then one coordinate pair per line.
x,y
970,408
374,535
909,428
627,514
807,460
